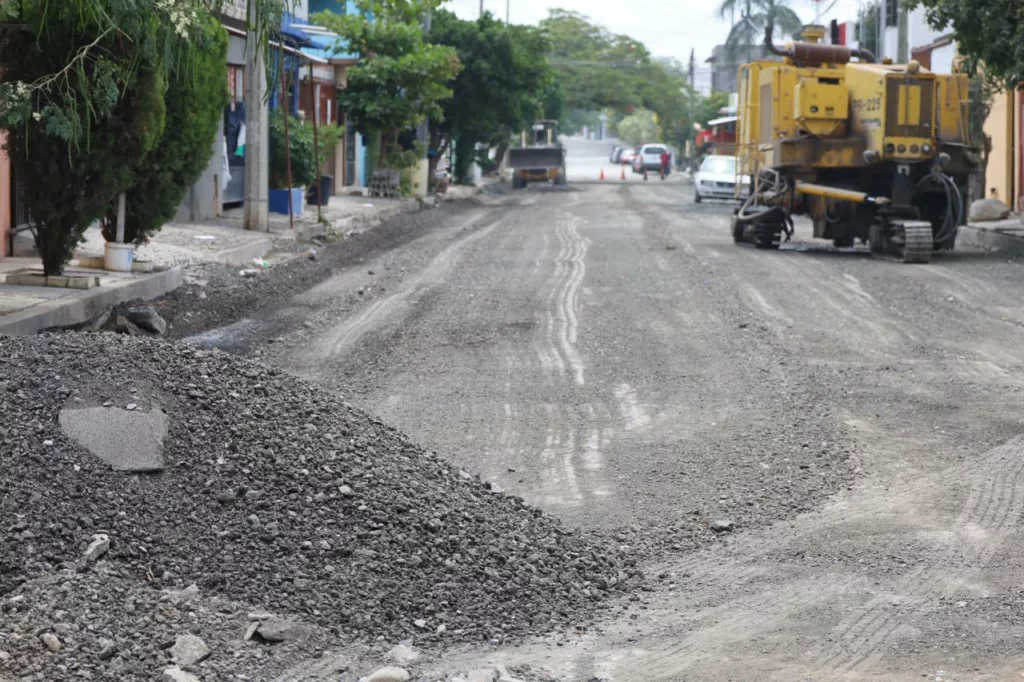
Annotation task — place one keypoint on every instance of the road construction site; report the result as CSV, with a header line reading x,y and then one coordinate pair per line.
x,y
562,433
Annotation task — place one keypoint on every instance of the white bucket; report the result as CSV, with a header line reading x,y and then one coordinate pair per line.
x,y
118,257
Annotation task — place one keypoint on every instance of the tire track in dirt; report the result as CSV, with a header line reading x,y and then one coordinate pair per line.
x,y
343,336
995,502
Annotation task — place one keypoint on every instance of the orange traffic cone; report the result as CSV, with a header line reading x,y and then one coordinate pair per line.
x,y
622,173
601,177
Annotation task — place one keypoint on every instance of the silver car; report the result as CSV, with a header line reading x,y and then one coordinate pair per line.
x,y
716,179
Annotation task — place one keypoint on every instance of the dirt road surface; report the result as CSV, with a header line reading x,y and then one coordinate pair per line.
x,y
816,452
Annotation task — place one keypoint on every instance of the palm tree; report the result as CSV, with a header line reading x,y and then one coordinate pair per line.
x,y
755,15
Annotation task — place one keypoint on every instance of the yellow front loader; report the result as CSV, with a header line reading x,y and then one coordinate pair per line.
x,y
539,158
879,153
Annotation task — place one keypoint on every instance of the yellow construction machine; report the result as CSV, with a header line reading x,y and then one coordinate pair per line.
x,y
879,153
541,160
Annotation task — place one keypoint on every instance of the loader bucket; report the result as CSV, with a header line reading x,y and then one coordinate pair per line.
x,y
535,158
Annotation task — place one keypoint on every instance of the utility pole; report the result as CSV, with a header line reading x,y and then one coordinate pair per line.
x,y
508,10
481,7
690,134
746,18
257,159
422,180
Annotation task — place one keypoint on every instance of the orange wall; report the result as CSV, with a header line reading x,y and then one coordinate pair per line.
x,y
5,197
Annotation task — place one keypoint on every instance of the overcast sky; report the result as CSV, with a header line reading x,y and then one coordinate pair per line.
x,y
669,28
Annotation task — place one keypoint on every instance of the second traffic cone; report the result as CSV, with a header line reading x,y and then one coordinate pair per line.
x,y
601,177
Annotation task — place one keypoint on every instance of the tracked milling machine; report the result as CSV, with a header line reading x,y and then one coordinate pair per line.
x,y
879,153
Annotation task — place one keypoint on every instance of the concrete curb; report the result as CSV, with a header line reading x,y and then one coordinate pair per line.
x,y
244,253
80,307
358,222
991,240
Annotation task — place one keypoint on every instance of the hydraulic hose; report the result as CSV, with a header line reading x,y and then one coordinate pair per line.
x,y
954,204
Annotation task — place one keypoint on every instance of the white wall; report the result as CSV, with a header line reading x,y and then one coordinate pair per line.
x,y
890,42
918,31
942,58
301,10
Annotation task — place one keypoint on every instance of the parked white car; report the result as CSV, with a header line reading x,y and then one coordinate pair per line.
x,y
649,158
716,179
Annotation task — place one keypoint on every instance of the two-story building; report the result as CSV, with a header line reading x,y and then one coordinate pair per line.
x,y
315,68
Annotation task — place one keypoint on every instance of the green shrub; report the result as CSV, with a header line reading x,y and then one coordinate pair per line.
x,y
301,146
195,100
300,138
69,186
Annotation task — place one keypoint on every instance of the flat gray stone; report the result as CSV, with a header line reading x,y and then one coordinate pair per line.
x,y
127,440
402,655
389,674
281,630
176,674
189,650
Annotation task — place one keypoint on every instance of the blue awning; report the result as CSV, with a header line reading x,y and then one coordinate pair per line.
x,y
315,41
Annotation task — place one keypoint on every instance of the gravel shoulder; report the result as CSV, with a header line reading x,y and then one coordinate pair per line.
x,y
216,295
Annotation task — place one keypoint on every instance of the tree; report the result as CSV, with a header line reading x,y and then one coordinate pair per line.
x,y
194,101
990,32
755,16
82,99
83,93
504,86
638,127
400,79
600,70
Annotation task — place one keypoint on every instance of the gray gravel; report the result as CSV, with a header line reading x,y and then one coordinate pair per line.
x,y
251,506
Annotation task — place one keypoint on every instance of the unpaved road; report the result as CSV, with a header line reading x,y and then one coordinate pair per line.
x,y
609,355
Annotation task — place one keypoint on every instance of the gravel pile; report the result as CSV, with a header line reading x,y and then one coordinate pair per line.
x,y
273,493
103,624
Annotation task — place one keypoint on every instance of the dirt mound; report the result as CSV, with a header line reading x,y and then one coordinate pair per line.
x,y
275,493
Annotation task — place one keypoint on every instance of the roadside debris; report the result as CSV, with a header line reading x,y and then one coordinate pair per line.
x,y
97,547
722,526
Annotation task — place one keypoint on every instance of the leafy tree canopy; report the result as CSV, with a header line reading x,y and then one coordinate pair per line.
x,y
506,82
754,17
605,72
988,31
638,127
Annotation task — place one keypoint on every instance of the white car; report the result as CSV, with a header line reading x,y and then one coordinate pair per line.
x,y
649,158
716,179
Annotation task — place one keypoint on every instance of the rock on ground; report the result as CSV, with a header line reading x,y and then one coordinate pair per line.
x,y
413,540
176,674
116,627
389,674
402,655
189,650
988,209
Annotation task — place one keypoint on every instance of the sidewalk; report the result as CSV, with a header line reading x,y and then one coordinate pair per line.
x,y
25,309
997,235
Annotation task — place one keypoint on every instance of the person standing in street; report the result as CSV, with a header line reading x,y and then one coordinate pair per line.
x,y
666,159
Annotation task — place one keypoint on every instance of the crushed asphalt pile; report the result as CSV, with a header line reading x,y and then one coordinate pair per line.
x,y
166,469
